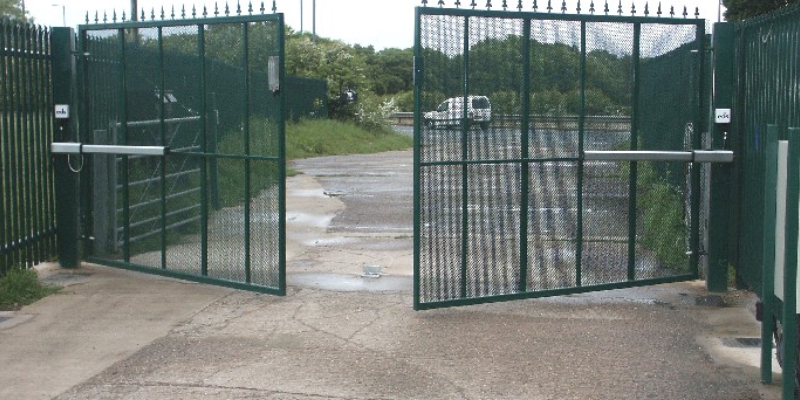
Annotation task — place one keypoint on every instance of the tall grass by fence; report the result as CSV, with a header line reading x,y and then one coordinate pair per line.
x,y
767,91
27,205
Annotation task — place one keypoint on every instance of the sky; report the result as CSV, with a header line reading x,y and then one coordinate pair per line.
x,y
380,23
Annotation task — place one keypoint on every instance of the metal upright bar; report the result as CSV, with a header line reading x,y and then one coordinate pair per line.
x,y
465,168
768,265
581,144
789,315
247,173
633,177
526,166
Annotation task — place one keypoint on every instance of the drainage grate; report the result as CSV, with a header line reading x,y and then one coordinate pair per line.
x,y
742,342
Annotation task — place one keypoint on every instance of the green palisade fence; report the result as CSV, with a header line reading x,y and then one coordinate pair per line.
x,y
767,92
27,225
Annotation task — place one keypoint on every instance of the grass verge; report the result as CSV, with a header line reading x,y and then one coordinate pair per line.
x,y
20,287
315,138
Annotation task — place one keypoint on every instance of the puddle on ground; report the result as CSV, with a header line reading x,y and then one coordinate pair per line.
x,y
352,283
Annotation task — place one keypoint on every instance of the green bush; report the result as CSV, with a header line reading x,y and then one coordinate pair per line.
x,y
662,214
20,287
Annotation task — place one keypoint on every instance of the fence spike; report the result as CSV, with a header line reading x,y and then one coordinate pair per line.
x,y
519,5
114,17
619,9
564,6
250,8
659,10
671,11
163,15
685,13
633,9
549,6
591,8
96,17
578,9
227,9
473,5
441,3
123,15
183,11
172,12
606,9
697,12
143,16
87,17
262,7
216,9
505,5
205,11
488,4
194,11
535,6
238,7
274,7
646,9
424,3
458,3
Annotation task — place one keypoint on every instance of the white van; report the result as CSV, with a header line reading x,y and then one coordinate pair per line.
x,y
451,112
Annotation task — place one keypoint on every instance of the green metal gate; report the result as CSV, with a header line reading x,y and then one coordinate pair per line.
x,y
530,200
206,86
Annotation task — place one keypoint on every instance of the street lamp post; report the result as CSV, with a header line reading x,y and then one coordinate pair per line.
x,y
63,13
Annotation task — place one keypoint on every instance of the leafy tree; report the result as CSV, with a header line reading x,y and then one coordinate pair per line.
x,y
12,9
739,10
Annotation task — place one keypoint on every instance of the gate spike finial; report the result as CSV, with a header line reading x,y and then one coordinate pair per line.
x,y
659,10
424,3
194,11
105,17
473,5
619,9
123,15
578,9
114,17
697,12
96,17
144,17
646,9
205,11
564,7
262,7
458,3
87,17
216,9
227,9
250,8
488,4
441,3
535,6
591,8
183,11
671,11
549,6
163,15
519,5
685,13
238,7
505,5
606,9
633,9
274,7
172,12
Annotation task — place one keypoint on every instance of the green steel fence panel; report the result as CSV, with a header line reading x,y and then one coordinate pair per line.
x,y
27,229
768,80
212,209
506,207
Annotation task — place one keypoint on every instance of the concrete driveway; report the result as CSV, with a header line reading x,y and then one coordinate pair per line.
x,y
114,334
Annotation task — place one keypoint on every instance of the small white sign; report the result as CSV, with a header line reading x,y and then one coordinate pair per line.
x,y
62,111
723,116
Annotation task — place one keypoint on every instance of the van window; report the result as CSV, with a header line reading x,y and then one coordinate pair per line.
x,y
443,106
480,102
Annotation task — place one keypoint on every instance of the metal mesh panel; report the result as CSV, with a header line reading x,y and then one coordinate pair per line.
x,y
211,209
552,225
508,208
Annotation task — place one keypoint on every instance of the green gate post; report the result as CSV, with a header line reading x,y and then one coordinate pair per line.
x,y
719,212
62,43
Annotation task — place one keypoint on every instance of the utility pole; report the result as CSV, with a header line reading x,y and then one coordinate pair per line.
x,y
314,21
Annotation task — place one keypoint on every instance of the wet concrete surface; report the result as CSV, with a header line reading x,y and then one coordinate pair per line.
x,y
340,335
